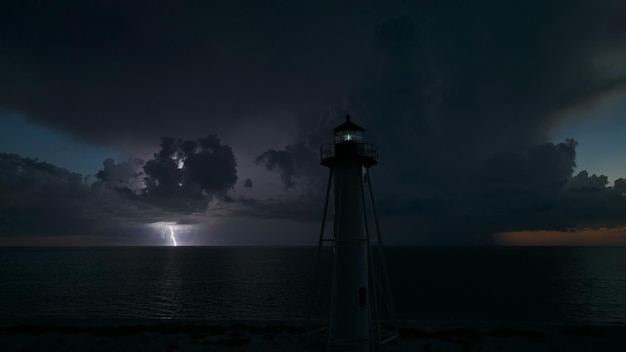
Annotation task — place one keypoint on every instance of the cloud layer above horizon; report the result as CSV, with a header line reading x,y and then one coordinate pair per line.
x,y
459,97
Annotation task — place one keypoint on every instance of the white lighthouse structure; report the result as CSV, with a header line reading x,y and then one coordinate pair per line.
x,y
358,308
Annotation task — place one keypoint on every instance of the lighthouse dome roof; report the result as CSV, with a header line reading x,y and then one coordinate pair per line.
x,y
348,125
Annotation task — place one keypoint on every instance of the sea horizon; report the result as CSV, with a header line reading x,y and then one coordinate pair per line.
x,y
532,284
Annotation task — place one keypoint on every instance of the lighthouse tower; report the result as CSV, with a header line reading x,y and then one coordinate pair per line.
x,y
358,297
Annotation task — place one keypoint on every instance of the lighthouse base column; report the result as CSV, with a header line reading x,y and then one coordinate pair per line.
x,y
351,307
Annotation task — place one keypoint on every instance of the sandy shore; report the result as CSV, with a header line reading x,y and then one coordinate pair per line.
x,y
194,335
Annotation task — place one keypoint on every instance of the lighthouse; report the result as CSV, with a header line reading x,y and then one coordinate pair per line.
x,y
357,297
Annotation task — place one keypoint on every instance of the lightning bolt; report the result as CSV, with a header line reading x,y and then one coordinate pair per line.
x,y
173,236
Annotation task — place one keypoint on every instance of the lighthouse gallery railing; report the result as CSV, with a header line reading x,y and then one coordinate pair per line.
x,y
363,149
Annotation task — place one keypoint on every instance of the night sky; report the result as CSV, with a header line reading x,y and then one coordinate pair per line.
x,y
498,122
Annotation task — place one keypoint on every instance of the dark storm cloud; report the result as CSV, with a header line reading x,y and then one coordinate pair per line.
x,y
280,161
449,69
247,183
620,185
583,182
127,72
491,76
188,174
125,174
461,107
41,199
506,191
28,185
545,168
602,208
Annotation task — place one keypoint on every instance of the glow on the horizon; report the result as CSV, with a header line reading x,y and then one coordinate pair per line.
x,y
580,237
173,236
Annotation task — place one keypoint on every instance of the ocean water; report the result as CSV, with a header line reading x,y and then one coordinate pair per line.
x,y
572,285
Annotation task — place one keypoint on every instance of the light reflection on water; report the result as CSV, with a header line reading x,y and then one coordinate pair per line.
x,y
595,284
540,284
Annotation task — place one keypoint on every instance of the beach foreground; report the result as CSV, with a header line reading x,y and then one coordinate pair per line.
x,y
78,335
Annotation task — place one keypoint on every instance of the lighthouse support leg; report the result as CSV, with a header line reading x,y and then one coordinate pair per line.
x,y
320,243
373,303
386,289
